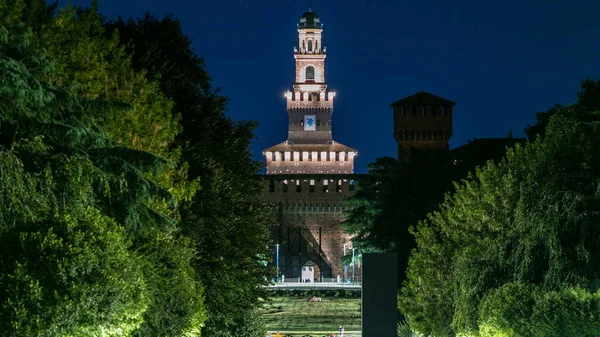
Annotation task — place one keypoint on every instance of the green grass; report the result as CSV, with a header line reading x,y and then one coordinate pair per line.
x,y
288,314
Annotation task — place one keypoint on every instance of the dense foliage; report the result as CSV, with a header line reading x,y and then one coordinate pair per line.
x,y
105,228
226,220
394,196
66,267
515,250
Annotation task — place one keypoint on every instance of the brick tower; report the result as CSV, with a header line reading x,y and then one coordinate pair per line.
x,y
422,121
310,174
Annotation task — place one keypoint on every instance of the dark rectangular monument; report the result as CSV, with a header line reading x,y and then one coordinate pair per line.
x,y
379,291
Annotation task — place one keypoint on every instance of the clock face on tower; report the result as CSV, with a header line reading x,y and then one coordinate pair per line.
x,y
310,123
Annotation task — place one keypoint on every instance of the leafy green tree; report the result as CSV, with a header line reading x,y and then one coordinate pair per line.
x,y
226,220
528,219
70,275
96,66
65,160
65,268
519,309
177,306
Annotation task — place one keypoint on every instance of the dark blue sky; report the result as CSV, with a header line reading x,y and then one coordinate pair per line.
x,y
501,61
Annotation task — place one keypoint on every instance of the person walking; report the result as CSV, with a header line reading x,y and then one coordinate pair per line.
x,y
341,329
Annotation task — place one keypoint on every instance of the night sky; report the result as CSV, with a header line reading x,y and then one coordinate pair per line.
x,y
501,61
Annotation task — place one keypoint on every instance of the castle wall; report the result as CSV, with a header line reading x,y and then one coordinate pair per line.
x,y
426,125
308,221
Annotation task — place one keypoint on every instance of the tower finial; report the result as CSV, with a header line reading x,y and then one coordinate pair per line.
x,y
310,5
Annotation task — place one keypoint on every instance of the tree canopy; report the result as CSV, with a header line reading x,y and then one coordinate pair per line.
x,y
394,196
88,211
515,250
62,261
225,220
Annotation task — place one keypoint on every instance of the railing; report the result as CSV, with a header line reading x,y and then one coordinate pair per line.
x,y
315,285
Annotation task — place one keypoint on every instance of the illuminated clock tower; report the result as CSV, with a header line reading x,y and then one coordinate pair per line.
x,y
310,147
310,174
310,105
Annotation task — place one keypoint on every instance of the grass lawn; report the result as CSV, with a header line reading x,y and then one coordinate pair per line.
x,y
288,314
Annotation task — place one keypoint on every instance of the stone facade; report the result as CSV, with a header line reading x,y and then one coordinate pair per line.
x,y
309,175
423,121
308,209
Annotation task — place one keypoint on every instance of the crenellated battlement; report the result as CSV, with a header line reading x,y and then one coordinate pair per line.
x,y
309,95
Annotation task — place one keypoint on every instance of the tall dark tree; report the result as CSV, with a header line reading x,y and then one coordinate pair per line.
x,y
226,220
394,196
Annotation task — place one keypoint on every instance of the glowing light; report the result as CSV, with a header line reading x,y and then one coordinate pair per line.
x,y
310,87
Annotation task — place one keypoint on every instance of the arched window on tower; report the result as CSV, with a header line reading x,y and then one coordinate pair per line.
x,y
310,73
309,46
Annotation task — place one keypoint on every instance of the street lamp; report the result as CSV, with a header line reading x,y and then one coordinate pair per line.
x,y
345,265
277,259
353,264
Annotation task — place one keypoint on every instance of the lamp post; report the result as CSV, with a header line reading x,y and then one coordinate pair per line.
x,y
353,264
345,266
277,259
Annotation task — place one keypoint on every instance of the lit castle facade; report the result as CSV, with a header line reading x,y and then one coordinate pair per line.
x,y
309,174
